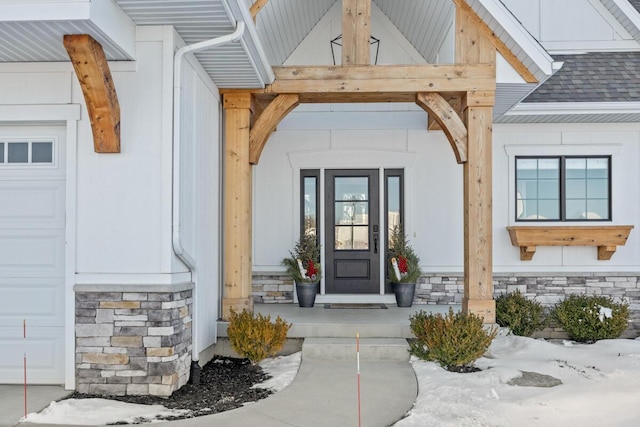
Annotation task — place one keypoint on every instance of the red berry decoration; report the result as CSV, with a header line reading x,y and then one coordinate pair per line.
x,y
402,264
311,269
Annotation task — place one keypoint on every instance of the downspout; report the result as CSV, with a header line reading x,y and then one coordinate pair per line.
x,y
184,256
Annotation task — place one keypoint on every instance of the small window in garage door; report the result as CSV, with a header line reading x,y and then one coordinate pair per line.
x,y
38,152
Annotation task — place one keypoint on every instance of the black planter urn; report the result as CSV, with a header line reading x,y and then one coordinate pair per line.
x,y
306,292
404,293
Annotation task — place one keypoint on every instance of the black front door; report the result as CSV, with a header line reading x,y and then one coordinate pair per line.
x,y
352,244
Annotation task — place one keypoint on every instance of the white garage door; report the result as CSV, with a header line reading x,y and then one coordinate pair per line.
x,y
32,242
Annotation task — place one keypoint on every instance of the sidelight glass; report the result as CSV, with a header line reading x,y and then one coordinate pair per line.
x,y
310,206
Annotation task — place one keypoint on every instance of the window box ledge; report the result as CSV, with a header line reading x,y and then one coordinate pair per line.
x,y
606,238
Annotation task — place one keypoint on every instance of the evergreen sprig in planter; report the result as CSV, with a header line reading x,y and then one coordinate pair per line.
x,y
404,268
303,265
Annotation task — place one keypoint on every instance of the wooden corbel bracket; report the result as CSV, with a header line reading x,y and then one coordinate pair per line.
x,y
94,75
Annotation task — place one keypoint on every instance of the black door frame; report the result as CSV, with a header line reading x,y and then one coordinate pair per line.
x,y
360,268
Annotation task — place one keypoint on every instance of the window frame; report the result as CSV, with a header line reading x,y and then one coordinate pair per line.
x,y
310,173
562,187
6,141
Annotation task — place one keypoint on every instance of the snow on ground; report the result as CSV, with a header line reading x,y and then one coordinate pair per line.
x,y
282,369
601,387
97,412
103,411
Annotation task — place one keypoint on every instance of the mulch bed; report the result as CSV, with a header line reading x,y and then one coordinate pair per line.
x,y
225,384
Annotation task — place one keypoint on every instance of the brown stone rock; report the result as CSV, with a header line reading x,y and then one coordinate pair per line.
x,y
105,359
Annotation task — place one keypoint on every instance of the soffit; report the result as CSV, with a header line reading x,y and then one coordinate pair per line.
x,y
281,26
42,41
229,66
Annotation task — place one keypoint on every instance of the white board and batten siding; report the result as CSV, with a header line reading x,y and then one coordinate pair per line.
x,y
200,204
32,255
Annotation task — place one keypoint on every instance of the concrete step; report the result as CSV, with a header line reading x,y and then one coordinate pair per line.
x,y
305,329
371,349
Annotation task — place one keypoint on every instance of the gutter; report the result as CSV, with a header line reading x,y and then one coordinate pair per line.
x,y
178,249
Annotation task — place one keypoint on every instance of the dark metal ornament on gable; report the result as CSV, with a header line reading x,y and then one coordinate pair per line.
x,y
337,42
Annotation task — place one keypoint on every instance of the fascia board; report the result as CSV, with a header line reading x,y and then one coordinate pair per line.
x,y
104,15
631,14
537,54
71,10
115,24
251,44
579,108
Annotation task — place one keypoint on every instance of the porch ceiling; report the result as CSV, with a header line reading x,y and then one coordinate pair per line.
x,y
281,26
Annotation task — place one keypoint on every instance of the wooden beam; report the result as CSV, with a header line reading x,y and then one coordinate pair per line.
x,y
356,32
267,122
256,7
94,75
237,205
389,79
467,18
450,122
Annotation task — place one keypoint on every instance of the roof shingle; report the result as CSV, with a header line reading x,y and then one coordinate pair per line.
x,y
593,77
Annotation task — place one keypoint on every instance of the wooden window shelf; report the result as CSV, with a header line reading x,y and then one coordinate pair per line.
x,y
606,238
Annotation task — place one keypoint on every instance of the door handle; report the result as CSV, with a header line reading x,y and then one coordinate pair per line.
x,y
375,243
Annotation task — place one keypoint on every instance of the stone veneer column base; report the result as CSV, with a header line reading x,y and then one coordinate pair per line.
x,y
133,340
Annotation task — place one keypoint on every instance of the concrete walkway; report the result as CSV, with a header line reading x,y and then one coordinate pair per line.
x,y
324,393
38,398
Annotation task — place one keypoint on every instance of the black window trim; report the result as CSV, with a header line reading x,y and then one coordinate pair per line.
x,y
562,183
310,173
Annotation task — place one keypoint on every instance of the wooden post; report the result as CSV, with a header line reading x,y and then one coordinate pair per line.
x,y
356,32
478,239
237,205
472,47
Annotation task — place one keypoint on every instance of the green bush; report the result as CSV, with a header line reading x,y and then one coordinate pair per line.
x,y
580,316
523,316
455,341
256,337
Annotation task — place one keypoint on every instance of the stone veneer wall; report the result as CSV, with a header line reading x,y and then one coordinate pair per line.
x,y
449,288
133,340
269,288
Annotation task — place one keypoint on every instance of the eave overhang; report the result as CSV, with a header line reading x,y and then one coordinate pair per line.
x,y
523,45
32,32
573,112
626,14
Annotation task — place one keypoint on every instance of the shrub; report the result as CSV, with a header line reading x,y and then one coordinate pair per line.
x,y
256,337
587,318
307,252
455,340
523,316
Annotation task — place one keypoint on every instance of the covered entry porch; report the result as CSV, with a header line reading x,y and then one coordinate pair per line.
x,y
458,98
